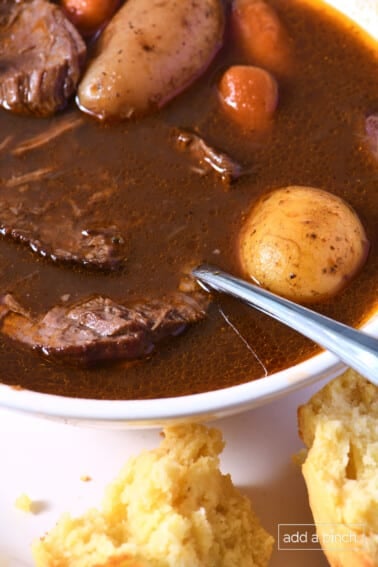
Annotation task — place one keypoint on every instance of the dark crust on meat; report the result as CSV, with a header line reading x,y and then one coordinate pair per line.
x,y
41,57
99,329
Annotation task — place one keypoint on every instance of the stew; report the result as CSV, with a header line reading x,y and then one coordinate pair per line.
x,y
118,212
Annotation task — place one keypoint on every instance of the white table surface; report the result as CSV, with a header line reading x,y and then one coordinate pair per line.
x,y
47,461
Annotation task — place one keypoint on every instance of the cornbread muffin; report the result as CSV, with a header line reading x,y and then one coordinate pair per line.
x,y
169,507
339,425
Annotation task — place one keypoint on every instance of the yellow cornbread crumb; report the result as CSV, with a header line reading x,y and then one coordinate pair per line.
x,y
24,503
169,507
85,478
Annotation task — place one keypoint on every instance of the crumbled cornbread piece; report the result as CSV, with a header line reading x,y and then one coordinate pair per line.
x,y
169,507
339,425
24,503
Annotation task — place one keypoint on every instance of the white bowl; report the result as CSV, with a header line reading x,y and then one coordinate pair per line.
x,y
209,405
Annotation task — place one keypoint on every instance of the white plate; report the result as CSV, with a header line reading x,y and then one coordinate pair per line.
x,y
47,459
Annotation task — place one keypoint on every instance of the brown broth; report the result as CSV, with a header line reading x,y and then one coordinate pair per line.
x,y
174,218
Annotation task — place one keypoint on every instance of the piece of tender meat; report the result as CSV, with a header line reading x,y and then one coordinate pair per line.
x,y
100,330
41,57
207,158
59,229
371,129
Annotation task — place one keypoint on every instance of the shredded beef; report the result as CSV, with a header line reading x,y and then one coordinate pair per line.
x,y
207,158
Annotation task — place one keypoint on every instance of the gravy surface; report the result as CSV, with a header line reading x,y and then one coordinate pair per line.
x,y
174,219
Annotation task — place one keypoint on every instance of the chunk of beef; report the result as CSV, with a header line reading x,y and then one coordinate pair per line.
x,y
41,57
208,158
58,229
98,329
68,242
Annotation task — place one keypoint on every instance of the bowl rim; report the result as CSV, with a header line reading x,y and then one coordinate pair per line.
x,y
216,403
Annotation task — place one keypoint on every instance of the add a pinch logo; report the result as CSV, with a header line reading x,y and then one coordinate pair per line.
x,y
317,537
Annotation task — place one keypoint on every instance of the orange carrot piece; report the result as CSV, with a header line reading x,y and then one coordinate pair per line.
x,y
249,96
261,34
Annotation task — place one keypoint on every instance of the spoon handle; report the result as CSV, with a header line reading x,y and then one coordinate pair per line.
x,y
356,349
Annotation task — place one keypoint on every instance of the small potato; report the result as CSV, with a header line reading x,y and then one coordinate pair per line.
x,y
89,15
302,243
249,96
258,29
150,51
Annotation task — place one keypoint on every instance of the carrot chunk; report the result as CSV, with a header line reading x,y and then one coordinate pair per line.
x,y
249,96
258,29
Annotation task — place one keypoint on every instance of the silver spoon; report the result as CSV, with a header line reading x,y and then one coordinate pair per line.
x,y
354,348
